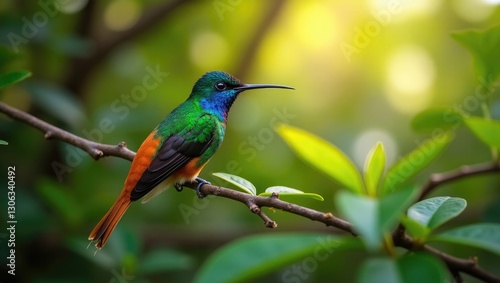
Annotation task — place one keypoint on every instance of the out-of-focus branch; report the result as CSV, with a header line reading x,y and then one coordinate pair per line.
x,y
439,179
256,39
81,69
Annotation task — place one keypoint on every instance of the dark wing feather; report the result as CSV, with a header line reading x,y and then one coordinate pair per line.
x,y
175,152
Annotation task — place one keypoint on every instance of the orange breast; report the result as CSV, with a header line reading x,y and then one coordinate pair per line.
x,y
189,172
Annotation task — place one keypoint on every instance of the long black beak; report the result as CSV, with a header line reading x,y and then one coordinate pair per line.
x,y
254,86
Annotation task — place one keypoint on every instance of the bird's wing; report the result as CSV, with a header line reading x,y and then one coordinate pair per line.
x,y
175,152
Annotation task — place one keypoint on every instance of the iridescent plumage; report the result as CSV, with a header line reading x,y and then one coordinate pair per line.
x,y
179,147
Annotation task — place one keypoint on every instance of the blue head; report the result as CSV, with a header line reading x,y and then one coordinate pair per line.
x,y
216,91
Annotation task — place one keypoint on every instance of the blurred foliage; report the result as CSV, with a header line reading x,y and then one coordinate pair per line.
x,y
362,72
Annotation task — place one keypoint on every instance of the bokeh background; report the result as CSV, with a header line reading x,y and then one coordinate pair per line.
x,y
362,70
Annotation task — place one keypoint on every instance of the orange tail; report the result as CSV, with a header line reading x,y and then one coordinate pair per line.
x,y
105,227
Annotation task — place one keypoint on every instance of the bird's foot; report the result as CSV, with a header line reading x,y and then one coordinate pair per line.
x,y
201,182
178,187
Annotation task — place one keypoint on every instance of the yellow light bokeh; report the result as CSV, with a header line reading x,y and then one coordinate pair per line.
x,y
71,6
407,9
410,74
121,14
315,26
473,10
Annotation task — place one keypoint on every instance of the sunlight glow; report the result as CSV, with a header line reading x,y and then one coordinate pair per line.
x,y
408,7
474,10
279,49
410,75
491,2
121,14
315,26
208,50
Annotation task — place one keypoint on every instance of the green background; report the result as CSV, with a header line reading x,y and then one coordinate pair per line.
x,y
361,71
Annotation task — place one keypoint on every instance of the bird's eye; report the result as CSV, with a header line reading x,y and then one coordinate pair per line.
x,y
220,86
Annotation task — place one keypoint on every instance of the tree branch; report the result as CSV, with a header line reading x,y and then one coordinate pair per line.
x,y
455,264
94,149
439,179
255,203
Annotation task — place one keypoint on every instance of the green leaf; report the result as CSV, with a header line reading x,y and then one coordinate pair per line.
x,y
374,167
379,270
418,231
482,235
13,77
392,207
61,201
288,192
409,165
239,182
483,46
435,211
164,260
371,217
2,142
323,155
488,131
254,256
436,119
422,267
412,268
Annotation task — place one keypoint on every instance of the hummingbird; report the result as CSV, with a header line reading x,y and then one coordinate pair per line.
x,y
179,147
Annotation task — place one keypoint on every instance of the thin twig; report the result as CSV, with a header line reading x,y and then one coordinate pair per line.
x,y
439,179
455,265
255,203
